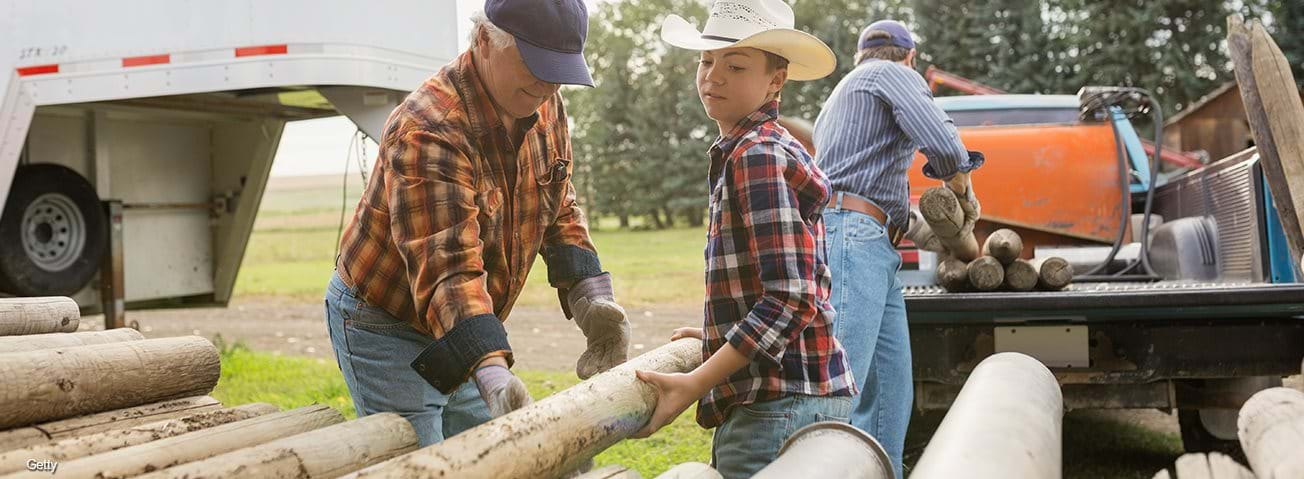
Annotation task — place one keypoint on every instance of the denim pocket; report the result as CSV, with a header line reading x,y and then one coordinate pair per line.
x,y
363,316
858,227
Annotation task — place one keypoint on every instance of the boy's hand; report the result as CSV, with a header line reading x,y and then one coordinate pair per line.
x,y
681,333
675,392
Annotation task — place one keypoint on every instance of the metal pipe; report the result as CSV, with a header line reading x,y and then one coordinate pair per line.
x,y
1005,423
835,449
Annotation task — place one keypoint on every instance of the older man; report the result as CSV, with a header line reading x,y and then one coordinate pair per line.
x,y
865,140
473,181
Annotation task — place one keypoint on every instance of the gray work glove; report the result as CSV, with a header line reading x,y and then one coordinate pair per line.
x,y
501,390
968,203
603,323
922,235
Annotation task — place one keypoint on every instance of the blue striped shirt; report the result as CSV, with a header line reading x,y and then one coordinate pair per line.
x,y
872,124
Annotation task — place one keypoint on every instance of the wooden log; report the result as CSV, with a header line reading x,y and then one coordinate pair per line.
x,y
1021,275
327,452
611,472
34,342
1276,116
49,384
691,470
1003,244
1053,273
46,314
834,448
554,436
82,446
986,274
953,275
164,453
106,421
941,209
1271,430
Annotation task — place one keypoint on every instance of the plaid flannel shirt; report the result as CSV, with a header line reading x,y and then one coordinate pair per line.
x,y
442,239
767,275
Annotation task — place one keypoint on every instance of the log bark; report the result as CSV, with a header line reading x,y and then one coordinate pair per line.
x,y
953,275
691,470
1003,244
941,209
1021,275
986,274
164,453
35,342
323,453
1054,273
106,421
1271,430
50,384
554,436
611,472
46,314
82,446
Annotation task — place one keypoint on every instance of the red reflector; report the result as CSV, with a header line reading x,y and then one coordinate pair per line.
x,y
260,50
146,60
909,255
38,70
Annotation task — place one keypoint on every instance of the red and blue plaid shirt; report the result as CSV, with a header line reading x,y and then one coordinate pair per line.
x,y
767,275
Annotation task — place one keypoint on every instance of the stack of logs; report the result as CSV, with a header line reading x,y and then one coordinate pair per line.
x,y
997,265
112,404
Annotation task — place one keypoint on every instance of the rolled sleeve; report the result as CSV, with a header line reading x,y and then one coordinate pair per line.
x,y
784,250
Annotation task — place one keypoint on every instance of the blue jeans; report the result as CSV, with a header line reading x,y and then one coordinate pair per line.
x,y
871,325
750,438
374,350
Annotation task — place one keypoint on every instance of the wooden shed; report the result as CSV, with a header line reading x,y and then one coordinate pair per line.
x,y
1214,124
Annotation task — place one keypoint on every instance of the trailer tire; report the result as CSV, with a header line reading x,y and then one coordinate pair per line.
x,y
1202,431
53,231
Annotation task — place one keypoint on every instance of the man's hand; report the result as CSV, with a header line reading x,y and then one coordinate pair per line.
x,y
675,392
501,390
603,323
963,190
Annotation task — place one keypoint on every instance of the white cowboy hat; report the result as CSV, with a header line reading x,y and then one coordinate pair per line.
x,y
761,24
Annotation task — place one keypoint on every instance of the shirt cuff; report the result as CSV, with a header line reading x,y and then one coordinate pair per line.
x,y
568,264
975,160
448,361
756,342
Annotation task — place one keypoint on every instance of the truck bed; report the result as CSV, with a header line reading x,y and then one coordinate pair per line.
x,y
1165,300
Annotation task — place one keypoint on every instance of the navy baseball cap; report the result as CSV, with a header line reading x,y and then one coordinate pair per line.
x,y
550,35
900,35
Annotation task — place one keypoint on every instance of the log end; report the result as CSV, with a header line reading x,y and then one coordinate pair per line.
x,y
1020,275
986,274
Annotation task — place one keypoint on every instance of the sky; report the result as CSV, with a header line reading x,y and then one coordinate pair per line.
x,y
321,146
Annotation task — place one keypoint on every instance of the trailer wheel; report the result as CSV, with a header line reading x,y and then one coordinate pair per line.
x,y
1209,430
53,231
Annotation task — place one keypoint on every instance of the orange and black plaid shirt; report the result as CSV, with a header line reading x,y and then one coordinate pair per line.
x,y
454,215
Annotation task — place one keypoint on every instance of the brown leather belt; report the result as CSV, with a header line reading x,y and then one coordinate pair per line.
x,y
853,202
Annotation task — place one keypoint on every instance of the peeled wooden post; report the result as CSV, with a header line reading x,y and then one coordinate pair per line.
x,y
941,209
106,421
836,449
1201,466
691,470
46,314
1020,275
611,472
986,274
19,344
82,446
1271,429
164,453
1005,423
50,384
1053,273
953,275
1003,244
327,452
555,435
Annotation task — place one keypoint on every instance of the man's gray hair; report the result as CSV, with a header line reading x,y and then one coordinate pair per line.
x,y
497,37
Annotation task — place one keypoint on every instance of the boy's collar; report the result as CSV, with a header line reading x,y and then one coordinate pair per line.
x,y
767,112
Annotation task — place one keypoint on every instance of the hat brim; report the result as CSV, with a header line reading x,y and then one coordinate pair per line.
x,y
555,67
808,57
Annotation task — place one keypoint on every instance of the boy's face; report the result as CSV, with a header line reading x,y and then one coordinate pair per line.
x,y
733,82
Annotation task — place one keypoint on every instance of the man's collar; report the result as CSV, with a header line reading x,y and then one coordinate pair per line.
x,y
480,108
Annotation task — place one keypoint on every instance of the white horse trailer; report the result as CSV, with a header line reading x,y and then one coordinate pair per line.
x,y
149,127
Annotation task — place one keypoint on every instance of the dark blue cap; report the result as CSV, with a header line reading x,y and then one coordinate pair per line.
x,y
900,35
550,35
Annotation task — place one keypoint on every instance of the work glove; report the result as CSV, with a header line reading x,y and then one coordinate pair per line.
x,y
603,323
501,390
968,203
922,235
